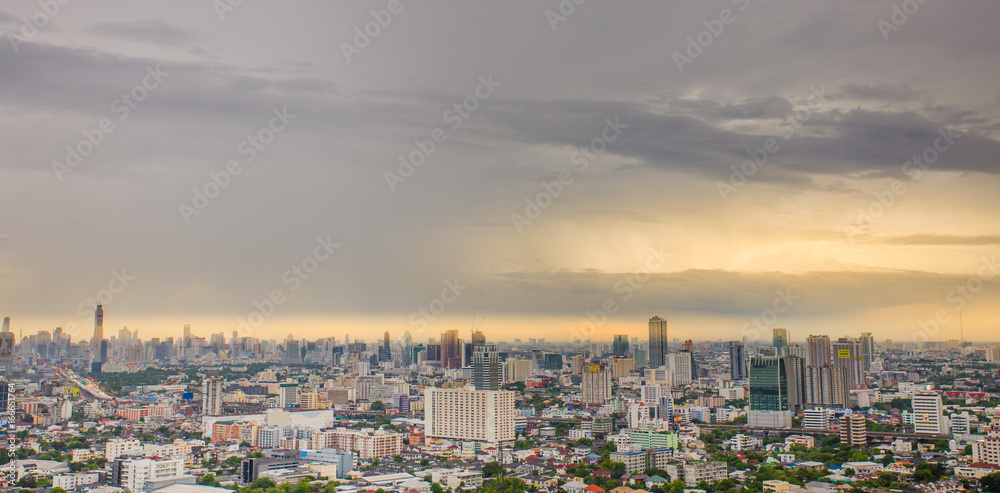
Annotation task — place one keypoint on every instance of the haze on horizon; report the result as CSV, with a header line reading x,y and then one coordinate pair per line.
x,y
768,167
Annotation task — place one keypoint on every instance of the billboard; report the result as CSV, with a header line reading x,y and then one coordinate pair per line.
x,y
6,346
843,353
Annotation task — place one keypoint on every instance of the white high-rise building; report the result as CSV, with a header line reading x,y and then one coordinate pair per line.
x,y
465,414
680,366
928,413
213,391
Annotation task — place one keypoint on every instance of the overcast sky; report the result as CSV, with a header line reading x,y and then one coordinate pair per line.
x,y
505,216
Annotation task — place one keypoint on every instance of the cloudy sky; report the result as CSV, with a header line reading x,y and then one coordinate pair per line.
x,y
565,171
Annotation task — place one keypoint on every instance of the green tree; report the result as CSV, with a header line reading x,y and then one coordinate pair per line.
x,y
209,480
377,406
493,469
990,482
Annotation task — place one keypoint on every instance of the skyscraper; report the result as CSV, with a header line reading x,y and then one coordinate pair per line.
x,y
867,349
596,385
768,386
737,360
620,345
818,351
486,367
98,328
657,342
848,354
6,325
826,386
779,339
451,357
212,394
385,350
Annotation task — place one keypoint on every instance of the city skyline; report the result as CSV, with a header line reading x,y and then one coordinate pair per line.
x,y
553,175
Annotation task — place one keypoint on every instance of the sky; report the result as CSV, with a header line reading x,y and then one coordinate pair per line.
x,y
316,169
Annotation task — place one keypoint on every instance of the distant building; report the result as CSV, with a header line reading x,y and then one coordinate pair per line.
x,y
657,342
928,413
596,385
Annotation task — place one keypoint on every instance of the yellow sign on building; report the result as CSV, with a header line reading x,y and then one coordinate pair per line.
x,y
843,353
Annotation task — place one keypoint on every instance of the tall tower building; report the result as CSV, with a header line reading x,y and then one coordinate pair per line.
x,y
620,345
212,406
596,385
657,342
779,339
867,349
451,357
737,360
818,351
6,325
486,367
385,350
478,338
98,327
848,354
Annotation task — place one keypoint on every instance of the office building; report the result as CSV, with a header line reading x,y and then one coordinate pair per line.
x,y
928,413
779,340
465,414
816,419
553,362
737,361
620,345
769,406
657,342
451,357
853,432
385,350
486,367
867,350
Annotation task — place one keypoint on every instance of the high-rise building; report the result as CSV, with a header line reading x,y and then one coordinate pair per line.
x,y
464,414
622,367
451,356
212,394
6,325
818,351
680,365
795,377
826,386
486,367
769,406
867,349
847,353
553,361
737,361
596,385
98,328
478,338
385,350
779,339
657,342
136,475
928,413
853,432
620,345
767,384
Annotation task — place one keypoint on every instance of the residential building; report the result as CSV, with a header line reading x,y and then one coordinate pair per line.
x,y
928,413
465,414
852,430
596,385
